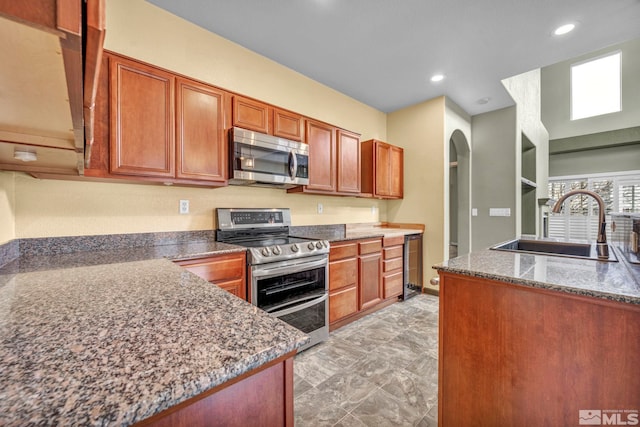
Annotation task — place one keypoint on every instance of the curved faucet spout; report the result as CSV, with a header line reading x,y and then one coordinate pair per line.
x,y
601,242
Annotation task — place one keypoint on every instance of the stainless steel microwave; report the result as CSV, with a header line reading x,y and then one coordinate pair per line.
x,y
260,159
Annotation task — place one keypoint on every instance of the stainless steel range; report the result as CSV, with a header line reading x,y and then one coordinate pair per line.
x,y
287,276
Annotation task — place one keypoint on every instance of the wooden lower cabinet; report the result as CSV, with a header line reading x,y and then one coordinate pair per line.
x,y
262,397
355,280
511,355
343,281
226,271
393,266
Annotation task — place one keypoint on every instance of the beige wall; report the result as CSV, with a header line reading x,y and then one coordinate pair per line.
x,y
7,207
61,208
141,30
419,129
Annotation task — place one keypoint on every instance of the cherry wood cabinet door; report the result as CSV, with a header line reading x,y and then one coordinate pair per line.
x,y
141,102
396,171
250,114
348,162
512,355
226,271
200,133
288,125
322,152
369,267
382,170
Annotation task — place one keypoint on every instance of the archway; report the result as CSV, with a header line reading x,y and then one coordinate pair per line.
x,y
459,195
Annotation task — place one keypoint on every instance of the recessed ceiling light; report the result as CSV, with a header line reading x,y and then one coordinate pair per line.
x,y
564,29
484,100
437,78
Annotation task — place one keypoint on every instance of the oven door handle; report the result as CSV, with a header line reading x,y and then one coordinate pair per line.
x,y
296,268
299,307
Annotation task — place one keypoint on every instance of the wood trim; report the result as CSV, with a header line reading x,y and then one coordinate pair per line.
x,y
40,14
406,225
68,16
94,47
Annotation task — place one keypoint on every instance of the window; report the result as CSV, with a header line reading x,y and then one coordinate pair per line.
x,y
595,87
579,217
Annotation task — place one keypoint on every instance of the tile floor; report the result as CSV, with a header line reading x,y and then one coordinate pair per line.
x,y
381,370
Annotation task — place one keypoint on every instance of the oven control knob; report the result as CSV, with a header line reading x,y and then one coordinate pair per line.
x,y
319,245
295,248
276,250
265,251
311,246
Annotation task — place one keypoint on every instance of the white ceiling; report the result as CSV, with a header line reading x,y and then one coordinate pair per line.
x,y
382,52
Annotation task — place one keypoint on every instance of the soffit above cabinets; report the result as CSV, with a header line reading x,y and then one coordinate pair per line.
x,y
49,160
41,81
35,102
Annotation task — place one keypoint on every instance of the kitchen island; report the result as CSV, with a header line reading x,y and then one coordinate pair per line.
x,y
116,337
533,340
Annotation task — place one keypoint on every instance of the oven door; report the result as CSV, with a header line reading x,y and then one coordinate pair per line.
x,y
295,291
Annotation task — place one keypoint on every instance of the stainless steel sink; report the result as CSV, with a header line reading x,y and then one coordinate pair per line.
x,y
554,248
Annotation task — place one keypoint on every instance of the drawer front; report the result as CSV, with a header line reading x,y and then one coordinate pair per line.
x,y
370,246
392,252
343,303
343,273
343,250
214,269
392,264
392,285
392,241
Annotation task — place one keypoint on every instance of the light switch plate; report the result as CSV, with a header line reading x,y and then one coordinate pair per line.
x,y
474,212
499,211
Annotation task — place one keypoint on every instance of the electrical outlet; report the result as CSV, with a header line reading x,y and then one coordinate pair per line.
x,y
184,206
373,210
320,208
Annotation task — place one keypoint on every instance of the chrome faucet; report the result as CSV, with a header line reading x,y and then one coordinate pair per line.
x,y
601,243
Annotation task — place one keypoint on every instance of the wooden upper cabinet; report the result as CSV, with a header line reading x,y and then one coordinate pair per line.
x,y
396,166
200,131
251,114
141,100
288,125
382,170
322,156
348,162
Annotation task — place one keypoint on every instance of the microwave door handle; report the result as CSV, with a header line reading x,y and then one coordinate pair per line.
x,y
293,164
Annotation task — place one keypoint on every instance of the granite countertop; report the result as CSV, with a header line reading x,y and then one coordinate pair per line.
x,y
174,252
356,233
616,281
89,339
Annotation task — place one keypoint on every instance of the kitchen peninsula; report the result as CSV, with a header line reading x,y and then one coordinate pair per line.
x,y
532,339
114,337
